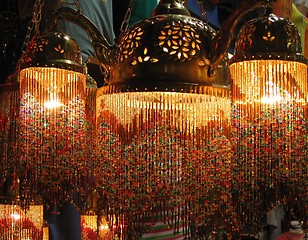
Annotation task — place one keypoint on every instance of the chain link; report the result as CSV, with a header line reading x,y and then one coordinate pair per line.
x,y
126,19
33,30
203,12
34,25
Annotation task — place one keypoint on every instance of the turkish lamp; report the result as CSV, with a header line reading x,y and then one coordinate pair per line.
x,y
17,222
269,120
52,114
163,123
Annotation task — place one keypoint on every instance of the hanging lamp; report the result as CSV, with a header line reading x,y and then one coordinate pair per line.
x,y
269,120
52,115
160,120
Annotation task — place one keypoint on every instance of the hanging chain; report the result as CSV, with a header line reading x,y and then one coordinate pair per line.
x,y
126,19
203,12
33,30
34,25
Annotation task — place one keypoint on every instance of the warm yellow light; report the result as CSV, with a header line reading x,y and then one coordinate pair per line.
x,y
15,216
274,95
269,81
20,223
46,233
187,109
89,221
53,104
52,87
161,154
104,229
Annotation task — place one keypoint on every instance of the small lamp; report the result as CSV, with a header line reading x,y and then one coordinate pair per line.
x,y
89,218
269,119
52,115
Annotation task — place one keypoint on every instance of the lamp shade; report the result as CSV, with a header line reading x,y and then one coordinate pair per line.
x,y
53,49
165,156
269,120
52,117
89,226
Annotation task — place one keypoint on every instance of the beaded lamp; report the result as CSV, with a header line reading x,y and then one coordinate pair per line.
x,y
269,120
52,116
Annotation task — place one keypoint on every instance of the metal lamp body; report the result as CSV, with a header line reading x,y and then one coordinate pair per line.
x,y
163,50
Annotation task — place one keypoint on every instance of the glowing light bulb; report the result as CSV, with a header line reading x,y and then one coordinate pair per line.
x,y
275,95
53,102
104,227
15,216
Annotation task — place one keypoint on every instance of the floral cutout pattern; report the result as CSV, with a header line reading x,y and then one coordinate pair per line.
x,y
176,40
269,30
129,43
245,41
293,37
179,41
40,43
269,37
144,58
59,49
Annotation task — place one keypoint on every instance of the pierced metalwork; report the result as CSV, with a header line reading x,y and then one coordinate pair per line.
x,y
179,41
39,44
57,46
269,37
128,45
176,41
165,50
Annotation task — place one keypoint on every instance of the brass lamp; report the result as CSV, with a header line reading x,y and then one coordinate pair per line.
x,y
269,120
52,116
